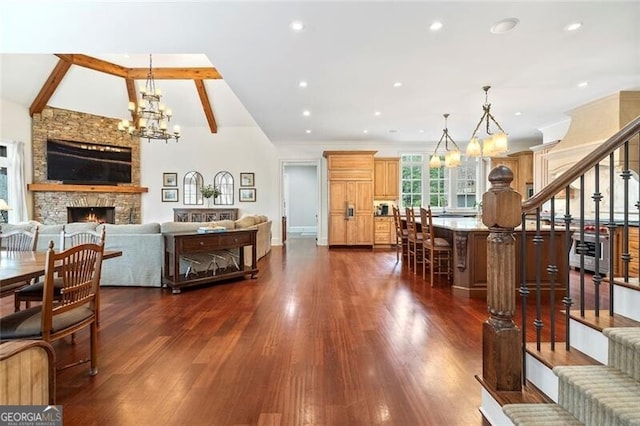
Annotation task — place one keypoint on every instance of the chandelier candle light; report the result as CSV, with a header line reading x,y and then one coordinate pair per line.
x,y
151,115
494,144
452,156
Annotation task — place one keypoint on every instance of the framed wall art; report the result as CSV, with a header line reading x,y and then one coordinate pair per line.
x,y
169,195
247,179
169,179
247,194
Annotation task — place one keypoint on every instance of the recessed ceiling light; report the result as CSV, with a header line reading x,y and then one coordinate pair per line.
x,y
377,113
435,26
583,84
306,113
573,26
421,131
518,113
307,131
504,26
297,26
302,84
393,131
397,84
365,131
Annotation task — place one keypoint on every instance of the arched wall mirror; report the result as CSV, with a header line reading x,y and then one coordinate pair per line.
x,y
224,182
191,185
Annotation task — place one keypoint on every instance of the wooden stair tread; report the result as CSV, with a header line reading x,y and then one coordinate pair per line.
x,y
603,321
633,283
558,356
528,395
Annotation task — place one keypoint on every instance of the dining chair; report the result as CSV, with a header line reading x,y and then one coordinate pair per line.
x,y
436,251
414,241
33,292
73,311
14,241
401,234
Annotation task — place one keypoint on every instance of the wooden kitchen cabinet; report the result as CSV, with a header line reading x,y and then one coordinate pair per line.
x,y
384,231
633,251
386,178
350,197
521,164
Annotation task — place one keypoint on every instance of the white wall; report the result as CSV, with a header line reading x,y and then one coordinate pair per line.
x,y
232,149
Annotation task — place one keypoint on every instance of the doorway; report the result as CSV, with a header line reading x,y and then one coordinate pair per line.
x,y
301,201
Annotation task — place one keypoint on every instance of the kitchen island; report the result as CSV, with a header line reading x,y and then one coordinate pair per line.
x,y
468,238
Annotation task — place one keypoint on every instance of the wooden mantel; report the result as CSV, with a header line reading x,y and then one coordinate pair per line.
x,y
57,187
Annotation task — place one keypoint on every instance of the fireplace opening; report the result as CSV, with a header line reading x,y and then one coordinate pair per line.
x,y
91,214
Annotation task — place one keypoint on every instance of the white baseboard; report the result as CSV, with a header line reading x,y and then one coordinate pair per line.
x,y
589,341
492,411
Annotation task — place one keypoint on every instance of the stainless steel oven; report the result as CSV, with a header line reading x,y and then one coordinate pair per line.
x,y
589,247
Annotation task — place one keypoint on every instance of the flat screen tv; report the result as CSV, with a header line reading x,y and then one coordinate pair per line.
x,y
87,163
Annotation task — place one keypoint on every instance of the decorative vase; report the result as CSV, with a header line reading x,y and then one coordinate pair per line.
x,y
209,202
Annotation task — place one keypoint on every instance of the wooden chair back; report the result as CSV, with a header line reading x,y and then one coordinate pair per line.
x,y
80,277
426,219
412,229
401,234
72,239
19,240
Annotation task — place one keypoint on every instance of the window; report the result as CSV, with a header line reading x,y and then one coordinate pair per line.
x,y
4,184
438,187
456,188
412,172
465,176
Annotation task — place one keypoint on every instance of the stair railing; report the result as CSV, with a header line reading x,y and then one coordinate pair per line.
x,y
553,271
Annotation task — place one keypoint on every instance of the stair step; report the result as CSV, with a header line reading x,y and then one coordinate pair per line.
x,y
624,349
539,415
599,394
604,320
559,355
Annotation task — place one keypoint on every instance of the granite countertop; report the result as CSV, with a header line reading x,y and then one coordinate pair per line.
x,y
467,224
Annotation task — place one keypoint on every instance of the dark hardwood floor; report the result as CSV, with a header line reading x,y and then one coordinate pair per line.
x,y
322,337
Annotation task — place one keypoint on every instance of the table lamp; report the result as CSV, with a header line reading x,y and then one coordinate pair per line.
x,y
4,208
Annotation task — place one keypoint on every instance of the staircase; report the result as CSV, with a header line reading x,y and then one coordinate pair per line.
x,y
592,377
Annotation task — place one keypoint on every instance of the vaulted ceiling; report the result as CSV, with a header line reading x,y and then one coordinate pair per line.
x,y
350,54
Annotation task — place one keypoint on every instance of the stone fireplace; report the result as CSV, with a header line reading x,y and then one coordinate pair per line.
x,y
51,199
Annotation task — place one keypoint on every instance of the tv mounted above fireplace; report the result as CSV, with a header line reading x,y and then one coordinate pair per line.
x,y
87,163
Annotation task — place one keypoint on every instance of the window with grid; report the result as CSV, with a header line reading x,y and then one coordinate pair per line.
x,y
412,172
438,187
465,176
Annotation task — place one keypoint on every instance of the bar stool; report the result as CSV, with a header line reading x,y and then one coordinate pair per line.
x,y
401,235
436,252
414,241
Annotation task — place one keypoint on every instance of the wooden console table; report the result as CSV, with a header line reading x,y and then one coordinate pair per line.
x,y
188,245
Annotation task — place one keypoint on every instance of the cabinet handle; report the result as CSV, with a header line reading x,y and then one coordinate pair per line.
x,y
201,243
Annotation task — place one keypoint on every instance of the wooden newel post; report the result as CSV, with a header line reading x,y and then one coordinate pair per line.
x,y
501,339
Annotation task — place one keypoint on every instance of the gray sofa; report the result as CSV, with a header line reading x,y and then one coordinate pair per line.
x,y
142,245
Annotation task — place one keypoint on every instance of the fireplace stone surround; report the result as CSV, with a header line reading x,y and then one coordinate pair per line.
x,y
50,207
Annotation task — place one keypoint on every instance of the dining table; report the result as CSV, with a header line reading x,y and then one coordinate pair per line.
x,y
23,266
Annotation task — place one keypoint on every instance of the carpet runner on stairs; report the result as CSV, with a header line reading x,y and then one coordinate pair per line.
x,y
593,394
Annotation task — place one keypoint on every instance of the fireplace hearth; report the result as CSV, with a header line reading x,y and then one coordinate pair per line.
x,y
91,214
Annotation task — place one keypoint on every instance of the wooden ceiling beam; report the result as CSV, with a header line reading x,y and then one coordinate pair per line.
x,y
206,106
175,73
178,73
131,92
49,87
95,64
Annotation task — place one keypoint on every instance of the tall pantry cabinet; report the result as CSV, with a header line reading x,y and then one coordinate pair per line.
x,y
350,176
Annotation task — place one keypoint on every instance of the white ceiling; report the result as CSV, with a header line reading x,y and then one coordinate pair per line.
x,y
350,53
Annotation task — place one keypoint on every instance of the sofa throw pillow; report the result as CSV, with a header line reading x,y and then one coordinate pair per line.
x,y
245,222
